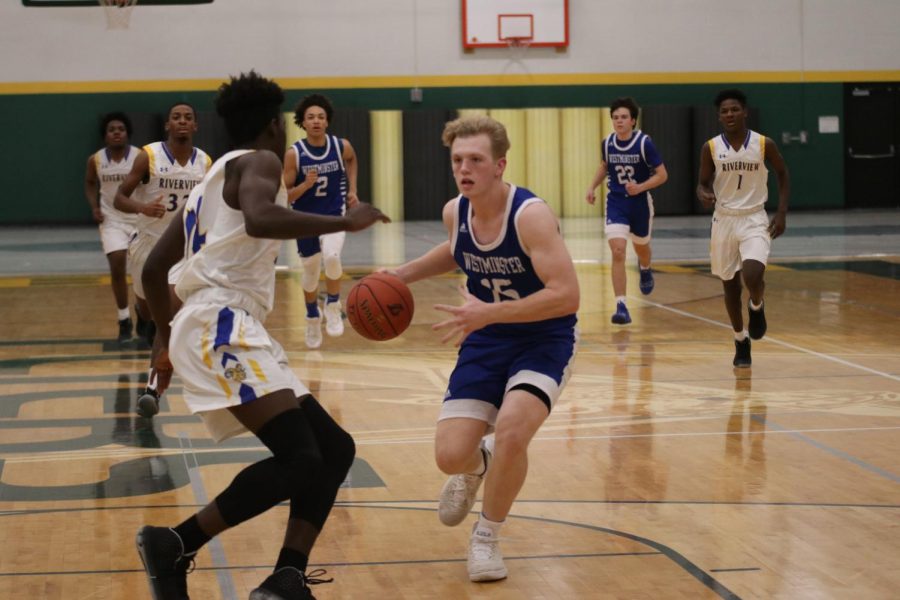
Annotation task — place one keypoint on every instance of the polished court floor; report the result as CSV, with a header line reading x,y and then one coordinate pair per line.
x,y
663,472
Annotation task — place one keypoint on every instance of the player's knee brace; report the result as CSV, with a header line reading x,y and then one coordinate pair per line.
x,y
292,470
312,266
333,268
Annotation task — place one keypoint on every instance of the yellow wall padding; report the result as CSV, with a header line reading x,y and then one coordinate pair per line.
x,y
606,129
472,112
542,128
387,162
514,121
294,131
580,159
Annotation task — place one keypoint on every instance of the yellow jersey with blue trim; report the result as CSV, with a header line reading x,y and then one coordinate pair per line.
x,y
111,173
171,180
741,177
224,265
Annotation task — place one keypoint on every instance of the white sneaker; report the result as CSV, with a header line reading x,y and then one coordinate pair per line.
x,y
313,332
334,322
485,561
458,494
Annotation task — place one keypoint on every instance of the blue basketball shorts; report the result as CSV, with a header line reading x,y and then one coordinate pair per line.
x,y
626,216
488,367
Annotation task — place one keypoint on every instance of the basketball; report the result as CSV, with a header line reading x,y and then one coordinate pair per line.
x,y
380,306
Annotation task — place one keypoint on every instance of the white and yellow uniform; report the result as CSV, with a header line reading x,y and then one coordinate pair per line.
x,y
117,226
740,227
219,346
174,182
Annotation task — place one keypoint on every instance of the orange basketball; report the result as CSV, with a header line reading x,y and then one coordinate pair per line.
x,y
380,306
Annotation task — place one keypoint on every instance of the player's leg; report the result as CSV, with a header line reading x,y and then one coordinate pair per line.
x,y
332,244
641,230
725,263
114,239
311,261
541,369
754,248
148,401
618,230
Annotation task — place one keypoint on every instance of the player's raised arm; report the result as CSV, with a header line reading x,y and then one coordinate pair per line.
x,y
260,178
124,202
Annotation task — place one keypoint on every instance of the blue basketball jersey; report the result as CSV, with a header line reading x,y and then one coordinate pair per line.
x,y
328,195
631,160
501,270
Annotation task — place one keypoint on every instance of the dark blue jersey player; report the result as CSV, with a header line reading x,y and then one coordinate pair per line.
x,y
633,168
516,328
320,175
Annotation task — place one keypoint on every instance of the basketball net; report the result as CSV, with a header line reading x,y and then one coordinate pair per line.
x,y
518,47
118,12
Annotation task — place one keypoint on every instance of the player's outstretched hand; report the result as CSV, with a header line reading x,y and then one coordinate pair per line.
x,y
363,215
777,225
471,316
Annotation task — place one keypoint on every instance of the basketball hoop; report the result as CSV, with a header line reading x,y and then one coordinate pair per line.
x,y
518,42
118,12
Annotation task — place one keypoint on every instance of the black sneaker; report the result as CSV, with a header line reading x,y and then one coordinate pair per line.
x,y
148,403
742,353
288,583
125,327
162,553
757,325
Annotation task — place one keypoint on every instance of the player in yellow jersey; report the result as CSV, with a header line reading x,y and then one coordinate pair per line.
x,y
734,180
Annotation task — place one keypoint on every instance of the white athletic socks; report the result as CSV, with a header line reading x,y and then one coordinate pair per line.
x,y
124,314
740,336
754,306
486,526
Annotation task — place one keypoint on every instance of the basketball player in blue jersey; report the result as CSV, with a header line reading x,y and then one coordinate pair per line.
x,y
166,172
734,181
516,328
633,167
237,377
106,168
320,174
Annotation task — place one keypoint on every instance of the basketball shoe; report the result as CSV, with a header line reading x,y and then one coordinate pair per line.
x,y
647,282
485,561
165,562
313,332
742,353
458,494
334,322
148,403
621,316
288,583
756,325
125,328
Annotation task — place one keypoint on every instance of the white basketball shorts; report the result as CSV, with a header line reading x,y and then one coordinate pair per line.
x,y
225,357
735,239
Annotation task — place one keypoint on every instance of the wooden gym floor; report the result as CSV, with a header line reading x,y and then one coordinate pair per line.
x,y
663,472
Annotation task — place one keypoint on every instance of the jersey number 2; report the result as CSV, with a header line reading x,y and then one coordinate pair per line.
x,y
322,186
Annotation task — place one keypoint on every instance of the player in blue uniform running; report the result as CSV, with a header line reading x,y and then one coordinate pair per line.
x,y
516,328
633,167
320,174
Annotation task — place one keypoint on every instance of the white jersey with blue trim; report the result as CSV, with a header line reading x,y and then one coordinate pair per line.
x,y
110,174
741,177
500,270
236,269
328,195
169,179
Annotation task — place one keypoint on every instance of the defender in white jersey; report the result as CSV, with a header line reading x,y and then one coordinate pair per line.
x,y
235,375
516,329
164,173
106,169
734,180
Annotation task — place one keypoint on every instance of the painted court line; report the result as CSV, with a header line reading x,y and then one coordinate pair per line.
x,y
841,361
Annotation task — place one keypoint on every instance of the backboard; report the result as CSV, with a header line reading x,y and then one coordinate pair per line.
x,y
502,23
